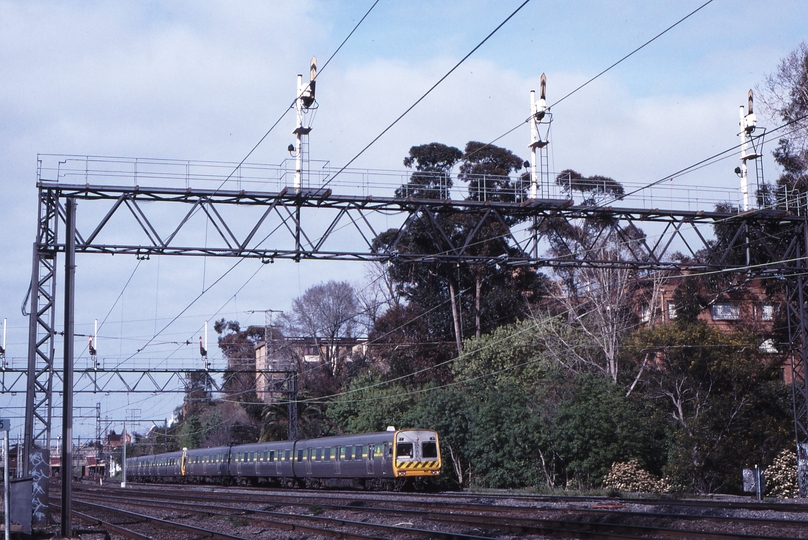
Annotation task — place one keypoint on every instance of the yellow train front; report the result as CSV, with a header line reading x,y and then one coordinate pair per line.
x,y
389,460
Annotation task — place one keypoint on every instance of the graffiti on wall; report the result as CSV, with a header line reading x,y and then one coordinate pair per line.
x,y
40,473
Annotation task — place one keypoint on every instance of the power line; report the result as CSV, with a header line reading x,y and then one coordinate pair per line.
x,y
602,72
636,50
237,167
411,107
701,163
278,121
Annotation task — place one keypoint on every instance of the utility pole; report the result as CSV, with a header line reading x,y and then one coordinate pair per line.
x,y
97,435
67,397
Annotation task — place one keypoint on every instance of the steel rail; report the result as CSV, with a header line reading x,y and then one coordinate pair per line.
x,y
482,517
267,517
162,522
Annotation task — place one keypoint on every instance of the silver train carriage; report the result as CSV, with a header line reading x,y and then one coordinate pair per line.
x,y
391,460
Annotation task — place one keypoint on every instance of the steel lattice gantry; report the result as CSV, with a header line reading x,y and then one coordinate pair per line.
x,y
318,224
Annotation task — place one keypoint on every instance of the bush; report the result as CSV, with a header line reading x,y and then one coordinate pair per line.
x,y
781,476
629,476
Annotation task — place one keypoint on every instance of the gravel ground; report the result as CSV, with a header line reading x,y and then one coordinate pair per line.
x,y
566,510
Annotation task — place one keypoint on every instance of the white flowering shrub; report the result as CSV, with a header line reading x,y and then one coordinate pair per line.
x,y
629,476
781,476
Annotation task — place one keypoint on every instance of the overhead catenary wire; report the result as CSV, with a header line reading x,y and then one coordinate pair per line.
x,y
425,94
592,79
565,97
286,111
242,162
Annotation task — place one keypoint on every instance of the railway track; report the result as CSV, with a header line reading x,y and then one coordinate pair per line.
x,y
253,513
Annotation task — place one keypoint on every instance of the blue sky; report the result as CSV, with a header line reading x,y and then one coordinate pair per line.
x,y
205,81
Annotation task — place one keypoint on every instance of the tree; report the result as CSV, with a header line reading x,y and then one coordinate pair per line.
x,y
724,397
325,312
598,426
487,169
238,346
433,165
369,404
408,341
594,189
310,419
376,295
785,96
598,299
505,433
481,296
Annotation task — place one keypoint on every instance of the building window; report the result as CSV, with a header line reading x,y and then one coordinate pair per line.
x,y
767,312
725,311
671,310
646,313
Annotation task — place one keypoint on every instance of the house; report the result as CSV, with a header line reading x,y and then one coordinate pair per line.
x,y
740,307
274,363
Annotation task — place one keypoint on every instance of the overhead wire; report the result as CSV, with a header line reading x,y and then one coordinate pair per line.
x,y
244,160
425,94
704,161
666,178
669,28
286,111
448,74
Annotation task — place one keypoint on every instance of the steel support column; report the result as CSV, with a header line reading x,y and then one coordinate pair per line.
x,y
41,337
797,295
67,377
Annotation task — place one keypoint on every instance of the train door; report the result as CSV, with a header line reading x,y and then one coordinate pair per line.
x,y
369,460
385,457
308,457
337,451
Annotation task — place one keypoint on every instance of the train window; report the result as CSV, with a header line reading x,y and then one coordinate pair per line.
x,y
360,452
252,456
327,453
348,453
378,451
300,455
272,455
429,450
404,450
318,454
288,455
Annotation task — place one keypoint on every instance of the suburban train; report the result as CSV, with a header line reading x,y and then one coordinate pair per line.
x,y
392,460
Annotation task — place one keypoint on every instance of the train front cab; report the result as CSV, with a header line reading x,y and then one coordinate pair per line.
x,y
416,456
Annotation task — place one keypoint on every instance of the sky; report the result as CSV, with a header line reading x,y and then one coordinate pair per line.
x,y
200,80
